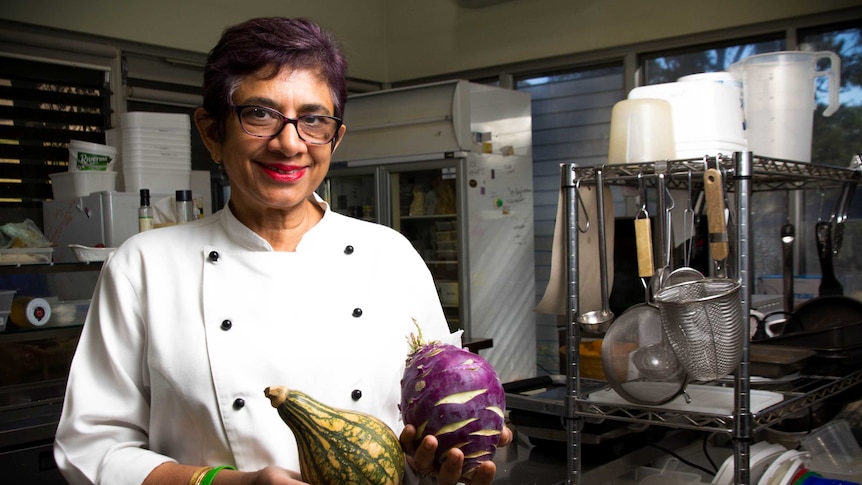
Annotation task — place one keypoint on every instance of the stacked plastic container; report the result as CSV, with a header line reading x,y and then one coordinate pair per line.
x,y
157,152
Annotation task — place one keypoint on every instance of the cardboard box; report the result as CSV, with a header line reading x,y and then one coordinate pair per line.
x,y
805,287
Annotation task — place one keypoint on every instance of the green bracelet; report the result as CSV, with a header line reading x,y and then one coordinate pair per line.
x,y
210,476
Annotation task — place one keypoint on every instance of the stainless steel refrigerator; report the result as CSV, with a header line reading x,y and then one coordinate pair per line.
x,y
449,166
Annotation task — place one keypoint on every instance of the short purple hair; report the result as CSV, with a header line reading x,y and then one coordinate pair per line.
x,y
271,42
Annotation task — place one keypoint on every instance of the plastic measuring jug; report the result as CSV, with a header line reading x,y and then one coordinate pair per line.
x,y
778,97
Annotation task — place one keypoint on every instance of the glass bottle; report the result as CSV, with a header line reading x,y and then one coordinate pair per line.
x,y
145,212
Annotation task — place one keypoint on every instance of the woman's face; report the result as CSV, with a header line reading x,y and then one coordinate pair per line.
x,y
281,172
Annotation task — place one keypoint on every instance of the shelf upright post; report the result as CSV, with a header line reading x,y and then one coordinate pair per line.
x,y
569,185
743,162
663,217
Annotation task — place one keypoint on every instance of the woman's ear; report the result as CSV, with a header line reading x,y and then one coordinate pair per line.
x,y
339,137
208,129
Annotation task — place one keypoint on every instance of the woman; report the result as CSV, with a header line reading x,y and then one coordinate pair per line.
x,y
190,323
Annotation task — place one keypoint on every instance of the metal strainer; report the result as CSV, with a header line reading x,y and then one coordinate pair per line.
x,y
702,321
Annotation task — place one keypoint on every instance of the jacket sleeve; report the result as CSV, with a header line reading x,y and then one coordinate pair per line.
x,y
426,306
102,434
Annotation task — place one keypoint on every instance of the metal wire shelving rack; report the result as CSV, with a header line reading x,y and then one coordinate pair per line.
x,y
744,173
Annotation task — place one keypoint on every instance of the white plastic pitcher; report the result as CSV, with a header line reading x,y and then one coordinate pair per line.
x,y
778,93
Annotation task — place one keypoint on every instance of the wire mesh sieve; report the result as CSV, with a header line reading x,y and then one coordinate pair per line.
x,y
702,320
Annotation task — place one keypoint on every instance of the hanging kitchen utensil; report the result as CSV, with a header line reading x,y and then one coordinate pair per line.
x,y
829,284
703,318
597,321
718,247
643,240
635,351
839,211
686,272
664,206
788,239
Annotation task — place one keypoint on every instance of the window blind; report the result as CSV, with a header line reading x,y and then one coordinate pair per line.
x,y
43,106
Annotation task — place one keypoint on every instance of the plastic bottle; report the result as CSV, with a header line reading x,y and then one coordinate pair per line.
x,y
185,206
28,311
145,212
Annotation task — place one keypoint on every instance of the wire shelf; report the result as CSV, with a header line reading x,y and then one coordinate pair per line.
x,y
767,173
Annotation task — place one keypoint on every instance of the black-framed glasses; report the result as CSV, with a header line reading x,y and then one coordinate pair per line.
x,y
264,122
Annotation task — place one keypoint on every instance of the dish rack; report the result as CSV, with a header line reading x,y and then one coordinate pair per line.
x,y
745,173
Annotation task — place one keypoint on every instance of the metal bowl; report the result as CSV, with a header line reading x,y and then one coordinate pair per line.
x,y
596,321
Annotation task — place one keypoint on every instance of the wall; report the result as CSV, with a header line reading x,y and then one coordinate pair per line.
x,y
396,40
434,37
195,25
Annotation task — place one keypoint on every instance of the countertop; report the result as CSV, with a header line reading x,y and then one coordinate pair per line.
x,y
523,463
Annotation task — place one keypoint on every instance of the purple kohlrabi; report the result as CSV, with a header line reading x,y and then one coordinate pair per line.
x,y
455,395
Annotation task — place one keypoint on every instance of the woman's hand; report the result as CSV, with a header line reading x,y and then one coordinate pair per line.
x,y
271,475
170,472
421,459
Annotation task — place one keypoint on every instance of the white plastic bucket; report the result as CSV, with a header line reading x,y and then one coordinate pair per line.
x,y
158,180
69,185
778,90
86,156
160,122
707,114
641,131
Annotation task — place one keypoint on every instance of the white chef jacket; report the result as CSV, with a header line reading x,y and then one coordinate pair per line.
x,y
190,323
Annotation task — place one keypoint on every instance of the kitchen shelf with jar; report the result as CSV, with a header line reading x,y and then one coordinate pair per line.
x,y
34,362
745,173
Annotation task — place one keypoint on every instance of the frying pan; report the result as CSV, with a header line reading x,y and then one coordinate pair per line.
x,y
824,312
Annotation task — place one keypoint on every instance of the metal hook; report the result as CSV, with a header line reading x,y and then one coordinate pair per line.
x,y
585,228
688,223
820,208
669,197
642,197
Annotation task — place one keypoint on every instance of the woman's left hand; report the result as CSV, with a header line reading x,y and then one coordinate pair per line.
x,y
421,459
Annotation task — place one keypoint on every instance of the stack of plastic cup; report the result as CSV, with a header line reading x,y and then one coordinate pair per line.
x,y
834,451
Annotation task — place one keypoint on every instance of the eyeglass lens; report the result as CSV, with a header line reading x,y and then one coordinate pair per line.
x,y
267,122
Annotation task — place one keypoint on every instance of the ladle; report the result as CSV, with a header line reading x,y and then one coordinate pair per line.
x,y
656,361
597,321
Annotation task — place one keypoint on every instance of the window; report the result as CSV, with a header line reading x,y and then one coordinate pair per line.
x,y
835,134
664,67
43,106
571,123
836,140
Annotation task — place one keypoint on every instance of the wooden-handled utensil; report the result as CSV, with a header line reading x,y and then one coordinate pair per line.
x,y
713,187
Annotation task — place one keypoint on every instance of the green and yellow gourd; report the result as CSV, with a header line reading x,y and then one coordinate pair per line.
x,y
338,446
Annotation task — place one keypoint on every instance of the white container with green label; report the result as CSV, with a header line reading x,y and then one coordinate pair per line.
x,y
85,156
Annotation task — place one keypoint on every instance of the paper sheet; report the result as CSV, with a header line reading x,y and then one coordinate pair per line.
x,y
556,296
